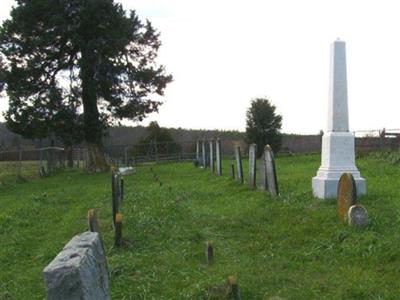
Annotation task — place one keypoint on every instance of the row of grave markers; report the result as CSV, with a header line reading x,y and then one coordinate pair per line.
x,y
213,159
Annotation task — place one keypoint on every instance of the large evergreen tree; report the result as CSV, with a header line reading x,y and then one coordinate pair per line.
x,y
76,65
263,125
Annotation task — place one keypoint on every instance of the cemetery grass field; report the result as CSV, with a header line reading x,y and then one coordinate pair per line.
x,y
292,247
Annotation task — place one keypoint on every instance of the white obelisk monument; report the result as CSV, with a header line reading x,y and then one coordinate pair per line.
x,y
338,154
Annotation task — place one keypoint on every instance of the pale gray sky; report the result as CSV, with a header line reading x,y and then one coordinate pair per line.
x,y
223,53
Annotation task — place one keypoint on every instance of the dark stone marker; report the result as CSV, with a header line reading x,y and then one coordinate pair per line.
x,y
252,165
198,151
218,157
233,171
233,286
93,223
357,216
263,175
212,168
209,252
203,154
239,166
118,230
270,171
346,195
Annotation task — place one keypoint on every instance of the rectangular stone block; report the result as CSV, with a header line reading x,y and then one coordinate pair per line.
x,y
79,271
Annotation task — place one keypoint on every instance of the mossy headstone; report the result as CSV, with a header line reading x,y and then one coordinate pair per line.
x,y
346,195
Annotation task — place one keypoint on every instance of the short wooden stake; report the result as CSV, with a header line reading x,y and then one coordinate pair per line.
x,y
93,223
234,292
233,171
209,253
114,199
118,230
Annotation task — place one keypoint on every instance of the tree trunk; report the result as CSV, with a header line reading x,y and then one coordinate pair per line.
x,y
92,125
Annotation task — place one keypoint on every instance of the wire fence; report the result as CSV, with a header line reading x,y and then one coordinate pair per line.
x,y
28,163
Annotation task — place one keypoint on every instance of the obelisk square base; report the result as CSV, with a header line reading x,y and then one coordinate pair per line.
x,y
325,188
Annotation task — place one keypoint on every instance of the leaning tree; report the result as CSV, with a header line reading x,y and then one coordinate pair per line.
x,y
76,66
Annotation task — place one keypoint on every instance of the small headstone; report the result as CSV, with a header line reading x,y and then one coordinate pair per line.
x,y
93,223
357,216
218,157
79,271
209,252
212,167
270,171
252,165
238,158
346,195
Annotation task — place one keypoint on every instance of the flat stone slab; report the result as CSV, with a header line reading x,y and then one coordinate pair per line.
x,y
358,216
126,170
79,271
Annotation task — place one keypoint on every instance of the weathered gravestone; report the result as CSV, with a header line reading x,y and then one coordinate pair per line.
x,y
346,195
270,171
238,158
218,157
263,176
357,216
198,151
252,165
79,271
212,168
203,154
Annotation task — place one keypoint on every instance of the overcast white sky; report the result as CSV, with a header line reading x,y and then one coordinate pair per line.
x,y
223,53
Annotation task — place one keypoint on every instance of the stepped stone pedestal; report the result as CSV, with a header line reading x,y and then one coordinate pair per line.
x,y
338,151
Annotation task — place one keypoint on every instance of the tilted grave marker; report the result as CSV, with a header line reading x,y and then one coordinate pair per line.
x,y
218,156
79,271
346,195
198,151
238,157
212,167
203,154
270,171
252,165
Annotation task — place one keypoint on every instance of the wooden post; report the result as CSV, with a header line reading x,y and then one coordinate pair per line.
x,y
115,206
122,189
118,230
233,171
234,292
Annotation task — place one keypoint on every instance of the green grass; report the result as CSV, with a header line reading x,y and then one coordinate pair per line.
x,y
292,247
